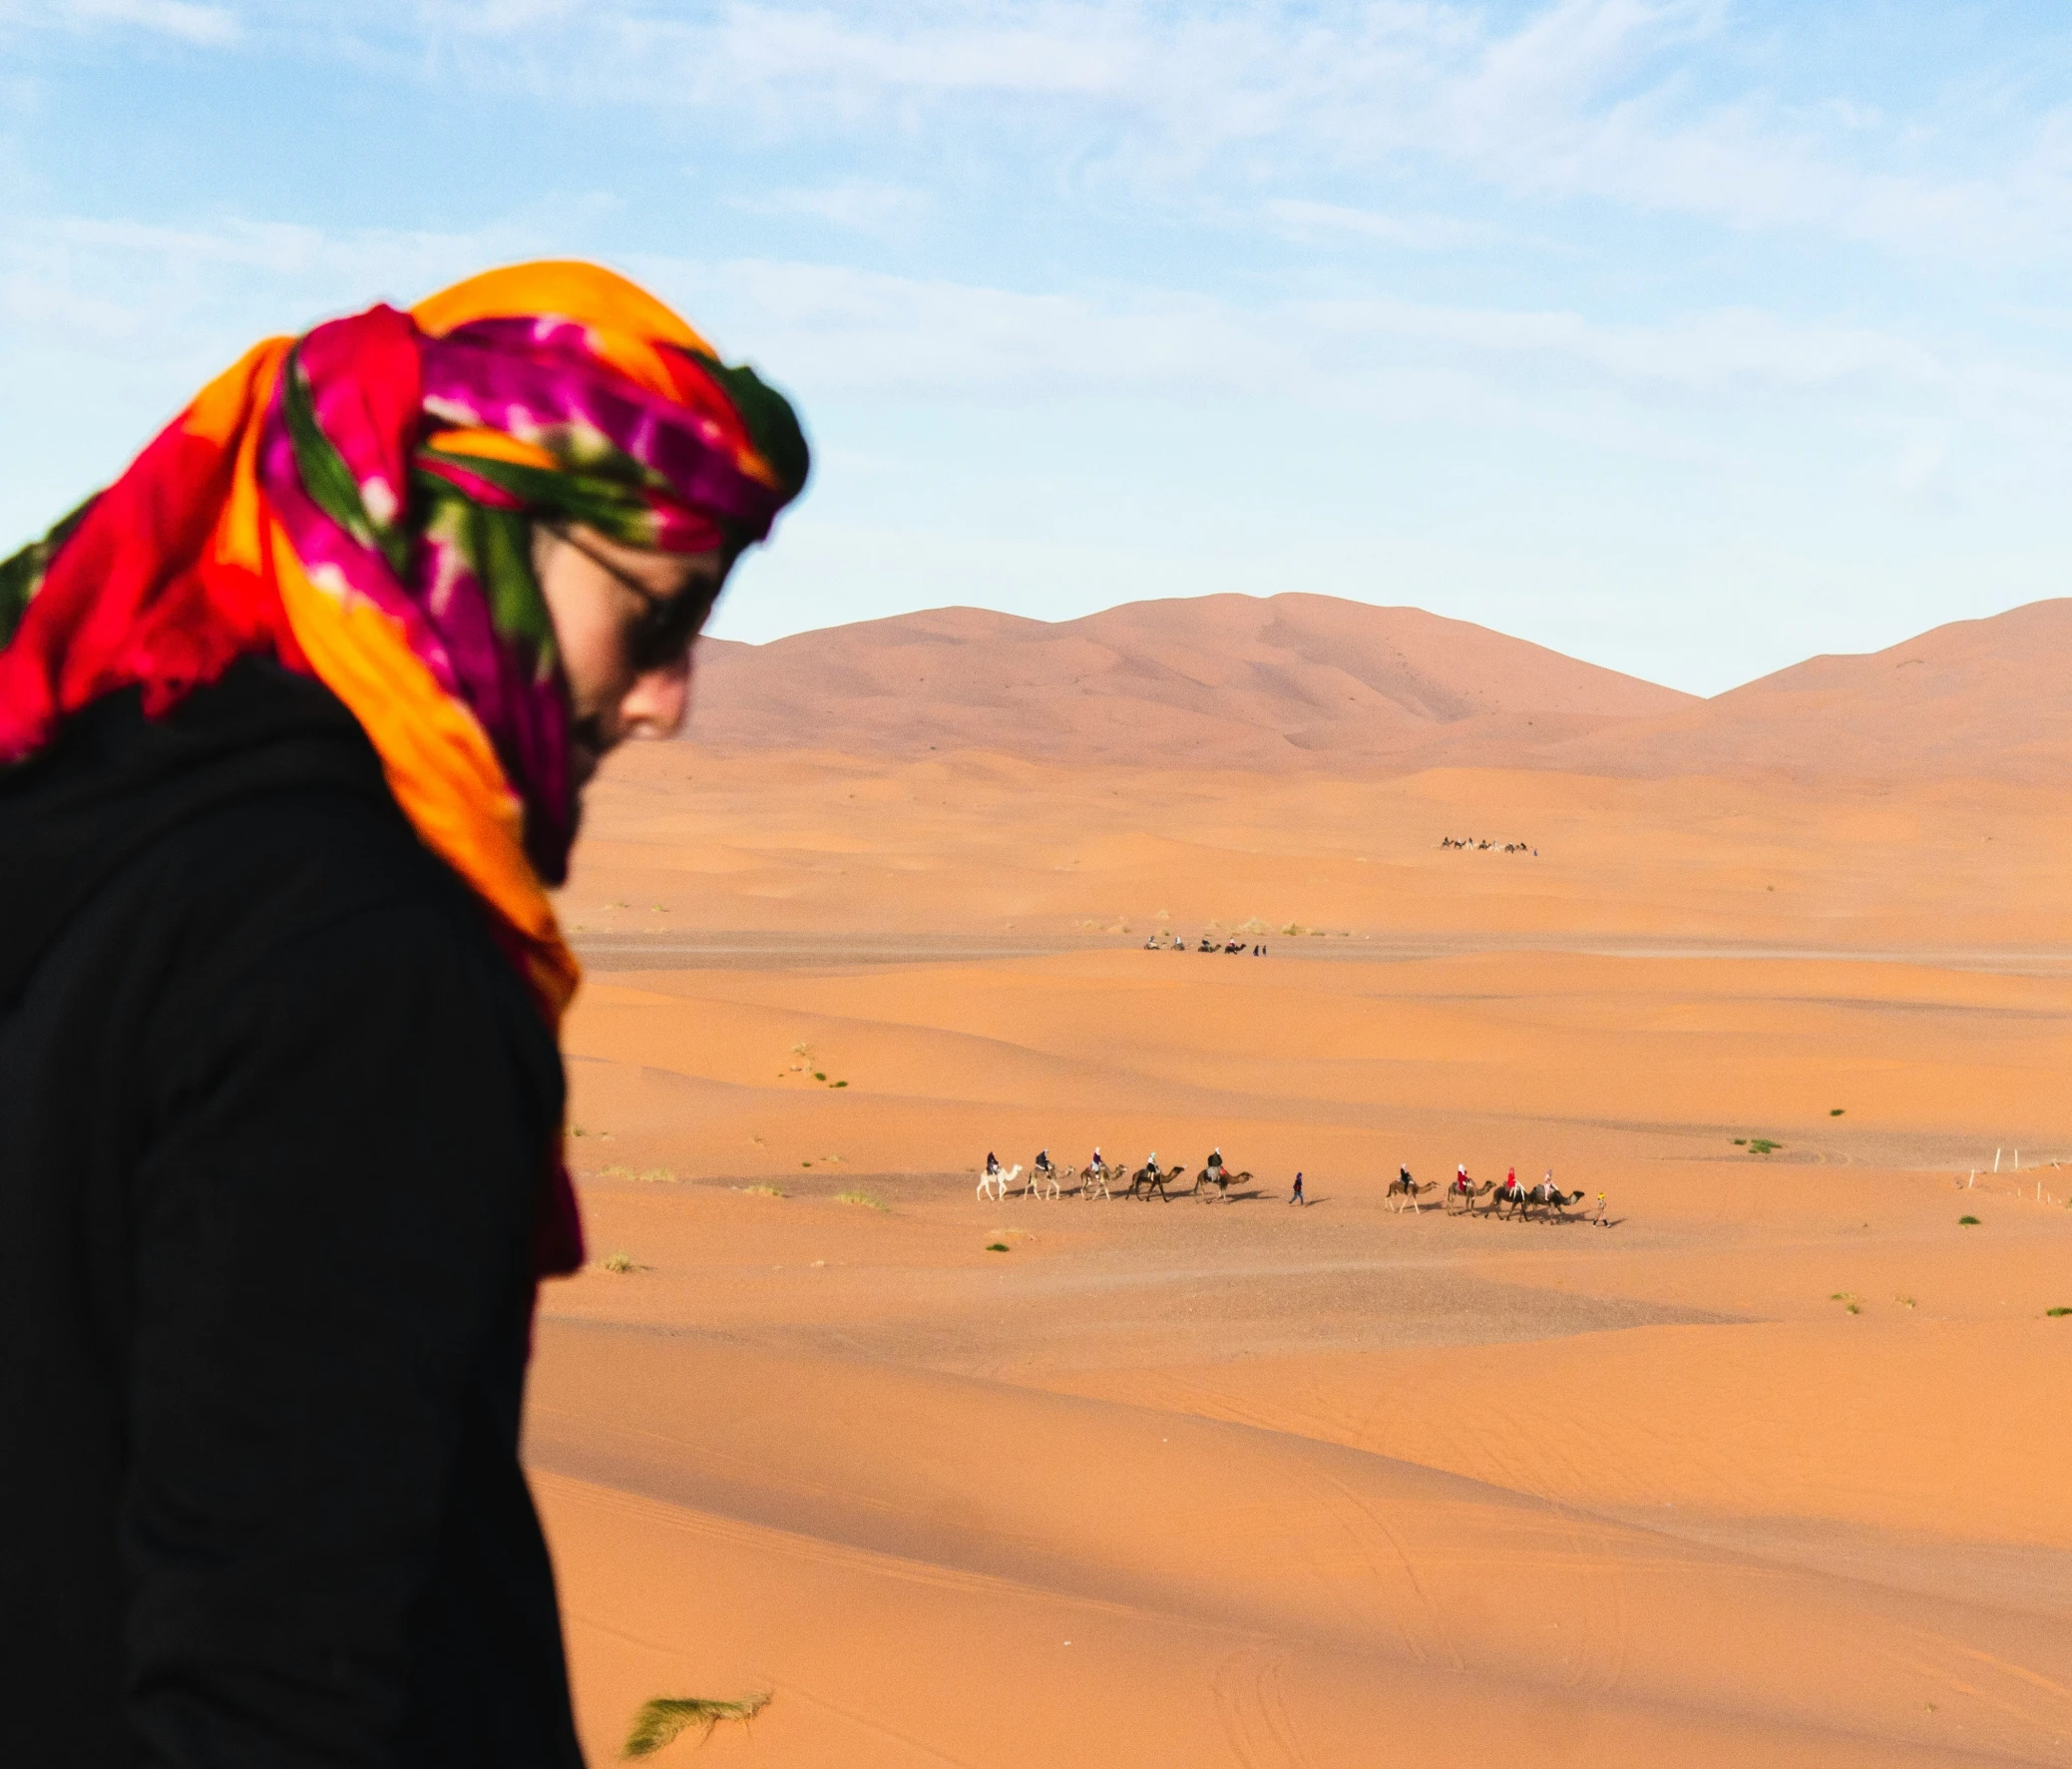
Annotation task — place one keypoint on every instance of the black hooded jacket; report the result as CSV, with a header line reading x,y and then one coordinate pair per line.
x,y
274,1115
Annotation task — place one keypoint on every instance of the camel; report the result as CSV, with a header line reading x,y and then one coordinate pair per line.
x,y
995,1184
1407,1189
1511,1196
1148,1179
1525,1199
1467,1196
1552,1199
1095,1182
1045,1182
1222,1178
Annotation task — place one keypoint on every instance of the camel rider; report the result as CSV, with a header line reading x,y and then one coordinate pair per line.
x,y
1095,1164
992,1164
1043,1162
1462,1183
1215,1163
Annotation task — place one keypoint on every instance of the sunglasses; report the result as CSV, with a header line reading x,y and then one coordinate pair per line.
x,y
668,624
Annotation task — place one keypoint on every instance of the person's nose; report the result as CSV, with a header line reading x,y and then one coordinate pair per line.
x,y
657,702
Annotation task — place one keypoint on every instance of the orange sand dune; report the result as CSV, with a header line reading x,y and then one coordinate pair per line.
x,y
1299,681
1752,1456
683,840
1428,1588
1273,681
1977,699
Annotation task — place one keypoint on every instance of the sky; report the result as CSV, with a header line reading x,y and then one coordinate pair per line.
x,y
1688,338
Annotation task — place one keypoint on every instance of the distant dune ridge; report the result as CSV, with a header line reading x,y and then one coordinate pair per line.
x,y
1241,682
1977,699
1301,682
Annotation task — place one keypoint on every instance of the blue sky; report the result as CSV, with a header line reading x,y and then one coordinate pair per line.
x,y
1691,339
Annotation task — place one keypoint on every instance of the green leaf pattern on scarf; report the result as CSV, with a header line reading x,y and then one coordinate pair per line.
x,y
21,574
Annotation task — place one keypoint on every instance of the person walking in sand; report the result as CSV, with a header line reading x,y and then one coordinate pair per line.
x,y
294,721
1296,1197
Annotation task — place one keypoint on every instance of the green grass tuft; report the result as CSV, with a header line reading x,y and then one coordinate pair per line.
x,y
817,1076
1967,1221
1842,1296
665,1717
996,1247
841,1083
1836,1111
622,1262
858,1197
2056,1313
1762,1146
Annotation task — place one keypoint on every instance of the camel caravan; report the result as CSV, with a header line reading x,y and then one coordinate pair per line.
x,y
1489,847
1461,1196
1100,1179
1464,1197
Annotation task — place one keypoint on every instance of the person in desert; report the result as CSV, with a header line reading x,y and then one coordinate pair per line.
x,y
1295,1196
295,720
992,1164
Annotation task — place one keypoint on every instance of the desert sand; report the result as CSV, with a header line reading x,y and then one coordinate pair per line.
x,y
1767,1467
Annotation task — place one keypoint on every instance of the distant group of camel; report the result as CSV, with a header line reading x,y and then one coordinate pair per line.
x,y
1208,944
1100,1179
1508,847
1463,1196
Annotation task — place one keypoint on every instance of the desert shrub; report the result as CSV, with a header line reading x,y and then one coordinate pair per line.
x,y
2057,1313
621,1262
1967,1221
1762,1146
858,1197
663,1719
763,1190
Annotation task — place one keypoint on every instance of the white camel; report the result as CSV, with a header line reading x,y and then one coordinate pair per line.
x,y
995,1184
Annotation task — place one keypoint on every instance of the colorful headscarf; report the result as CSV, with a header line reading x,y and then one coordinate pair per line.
x,y
358,504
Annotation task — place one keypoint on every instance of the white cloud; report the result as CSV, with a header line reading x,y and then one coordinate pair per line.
x,y
863,205
1413,231
208,25
1623,100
